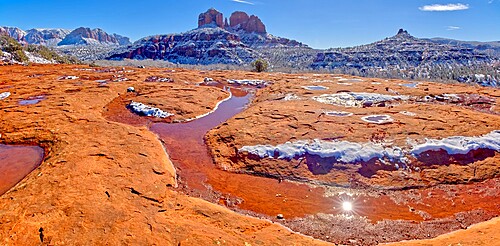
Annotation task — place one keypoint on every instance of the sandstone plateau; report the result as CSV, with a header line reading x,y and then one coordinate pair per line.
x,y
112,176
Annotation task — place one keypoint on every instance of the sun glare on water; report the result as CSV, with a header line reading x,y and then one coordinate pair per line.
x,y
347,206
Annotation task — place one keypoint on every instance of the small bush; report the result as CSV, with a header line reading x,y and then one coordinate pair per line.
x,y
260,65
68,60
93,64
9,44
20,56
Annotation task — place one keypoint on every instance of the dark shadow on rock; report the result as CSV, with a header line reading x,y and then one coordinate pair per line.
x,y
319,165
441,157
370,168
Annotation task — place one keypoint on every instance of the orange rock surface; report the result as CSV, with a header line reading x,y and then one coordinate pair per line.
x,y
103,181
106,176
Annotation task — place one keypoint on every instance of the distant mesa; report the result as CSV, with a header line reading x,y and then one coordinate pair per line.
x,y
401,51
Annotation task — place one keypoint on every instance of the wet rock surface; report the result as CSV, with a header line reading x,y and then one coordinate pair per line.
x,y
16,163
381,188
105,181
107,176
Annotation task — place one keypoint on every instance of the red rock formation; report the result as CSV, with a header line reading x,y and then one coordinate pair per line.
x,y
240,20
212,16
254,24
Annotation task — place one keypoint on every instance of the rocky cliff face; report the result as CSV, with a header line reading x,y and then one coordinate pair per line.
x,y
241,21
199,46
48,37
214,41
87,36
14,33
211,17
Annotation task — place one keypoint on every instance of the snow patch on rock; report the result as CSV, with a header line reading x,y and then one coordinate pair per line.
x,y
459,144
350,152
343,151
4,95
356,99
36,59
408,113
145,110
291,97
377,119
338,113
247,82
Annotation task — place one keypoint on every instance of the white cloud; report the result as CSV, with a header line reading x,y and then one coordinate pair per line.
x,y
443,7
453,28
242,1
491,1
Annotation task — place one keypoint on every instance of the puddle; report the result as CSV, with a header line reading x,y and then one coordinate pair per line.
x,y
410,85
16,162
200,177
349,80
378,119
32,100
315,87
342,83
338,113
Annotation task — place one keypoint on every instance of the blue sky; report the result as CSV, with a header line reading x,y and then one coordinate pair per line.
x,y
318,23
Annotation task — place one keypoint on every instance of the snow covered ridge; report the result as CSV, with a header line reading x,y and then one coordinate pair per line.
x,y
145,110
349,152
356,99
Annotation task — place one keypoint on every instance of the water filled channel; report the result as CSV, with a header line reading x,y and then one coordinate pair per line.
x,y
200,176
16,162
